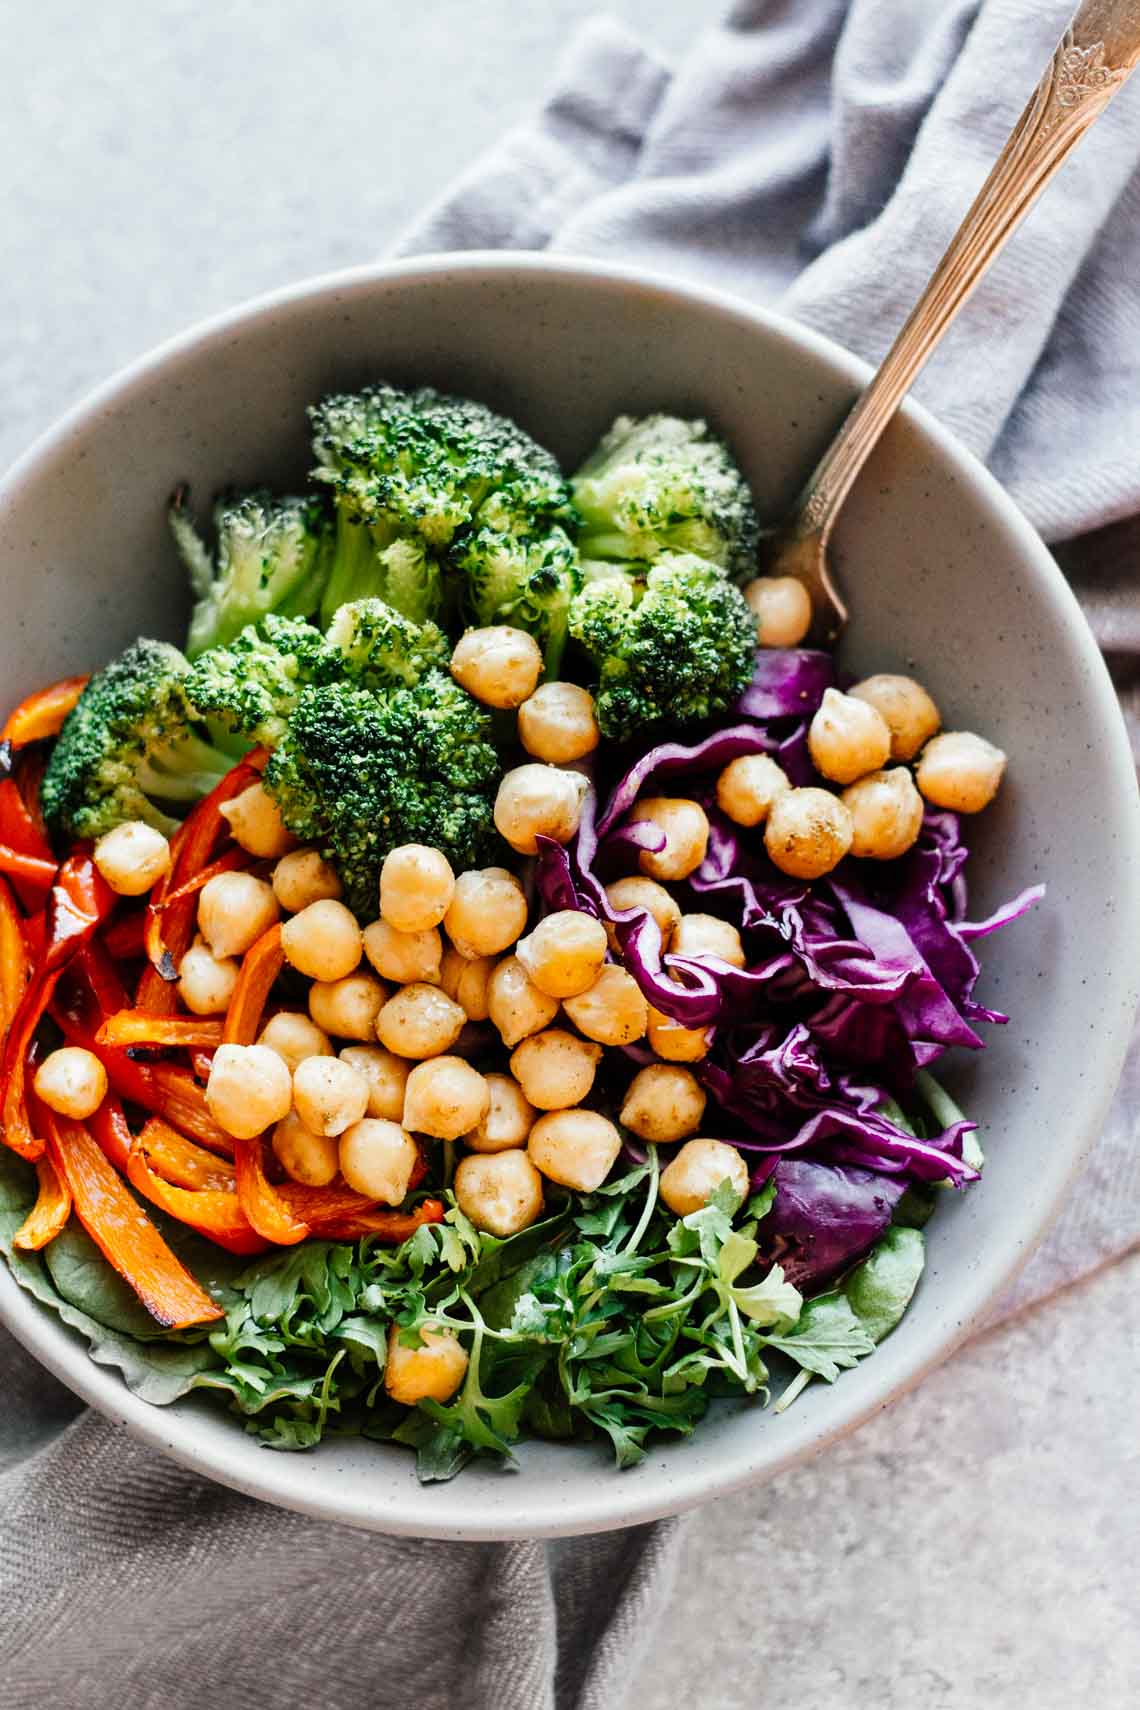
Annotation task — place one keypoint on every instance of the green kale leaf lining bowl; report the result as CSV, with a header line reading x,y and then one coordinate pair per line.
x,y
945,579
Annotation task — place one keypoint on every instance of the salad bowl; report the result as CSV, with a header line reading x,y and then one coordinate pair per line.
x,y
944,579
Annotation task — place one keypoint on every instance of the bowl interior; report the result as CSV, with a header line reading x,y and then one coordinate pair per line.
x,y
945,581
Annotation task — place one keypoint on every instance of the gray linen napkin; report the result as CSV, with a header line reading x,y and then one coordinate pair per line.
x,y
813,153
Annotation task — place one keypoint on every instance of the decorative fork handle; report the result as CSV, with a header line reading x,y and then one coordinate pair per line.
x,y
1092,61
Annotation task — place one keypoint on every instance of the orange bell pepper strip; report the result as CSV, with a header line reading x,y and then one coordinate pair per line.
x,y
112,1132
42,714
123,1232
391,1227
169,930
15,964
123,939
234,860
31,868
78,904
216,1215
50,1212
264,1205
201,1062
262,963
182,1162
138,1027
176,1096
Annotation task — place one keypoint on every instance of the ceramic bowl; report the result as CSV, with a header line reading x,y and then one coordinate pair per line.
x,y
945,579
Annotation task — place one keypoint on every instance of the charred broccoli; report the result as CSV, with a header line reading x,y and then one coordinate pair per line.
x,y
676,646
133,748
659,484
272,555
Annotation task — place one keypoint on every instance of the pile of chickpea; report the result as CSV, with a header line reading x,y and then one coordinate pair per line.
x,y
379,1058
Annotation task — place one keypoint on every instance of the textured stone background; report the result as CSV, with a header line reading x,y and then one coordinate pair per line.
x,y
976,1546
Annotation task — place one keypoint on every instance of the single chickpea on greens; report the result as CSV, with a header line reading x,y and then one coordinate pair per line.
x,y
486,984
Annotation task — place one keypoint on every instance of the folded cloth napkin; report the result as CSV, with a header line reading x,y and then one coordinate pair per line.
x,y
811,153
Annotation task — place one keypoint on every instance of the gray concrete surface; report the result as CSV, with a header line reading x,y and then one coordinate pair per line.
x,y
977,1546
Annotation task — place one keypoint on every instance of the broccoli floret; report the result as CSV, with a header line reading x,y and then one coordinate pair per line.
x,y
252,685
272,555
358,773
659,484
132,748
381,649
516,575
409,470
678,647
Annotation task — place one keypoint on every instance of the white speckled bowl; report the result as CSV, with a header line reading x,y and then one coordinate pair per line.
x,y
945,578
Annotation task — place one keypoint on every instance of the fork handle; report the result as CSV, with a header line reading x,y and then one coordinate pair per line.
x,y
1092,61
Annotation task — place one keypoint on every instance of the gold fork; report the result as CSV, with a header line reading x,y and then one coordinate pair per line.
x,y
1092,61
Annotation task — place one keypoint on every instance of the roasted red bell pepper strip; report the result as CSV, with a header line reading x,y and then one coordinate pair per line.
x,y
262,963
123,1232
170,929
23,833
218,1216
79,903
112,1132
123,939
79,1010
28,867
42,714
50,1212
389,1226
182,1162
263,1204
138,1027
15,965
234,860
201,1062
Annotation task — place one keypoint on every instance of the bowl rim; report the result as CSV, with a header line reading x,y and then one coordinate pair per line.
x,y
628,1502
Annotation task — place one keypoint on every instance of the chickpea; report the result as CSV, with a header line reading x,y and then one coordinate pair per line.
x,y
565,952
323,942
487,912
576,1148
690,1179
416,887
509,1119
377,1159
348,1008
748,786
499,665
707,935
304,1156
466,982
329,1095
847,738
673,1041
808,833
636,892
961,771
206,982
886,813
686,829
419,1021
555,1069
781,606
613,1011
515,1004
234,909
557,723
256,825
431,1372
501,1193
404,957
663,1102
386,1076
539,801
908,711
132,858
304,877
445,1098
249,1089
295,1038
72,1081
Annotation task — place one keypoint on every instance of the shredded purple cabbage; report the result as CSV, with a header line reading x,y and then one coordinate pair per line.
x,y
853,983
